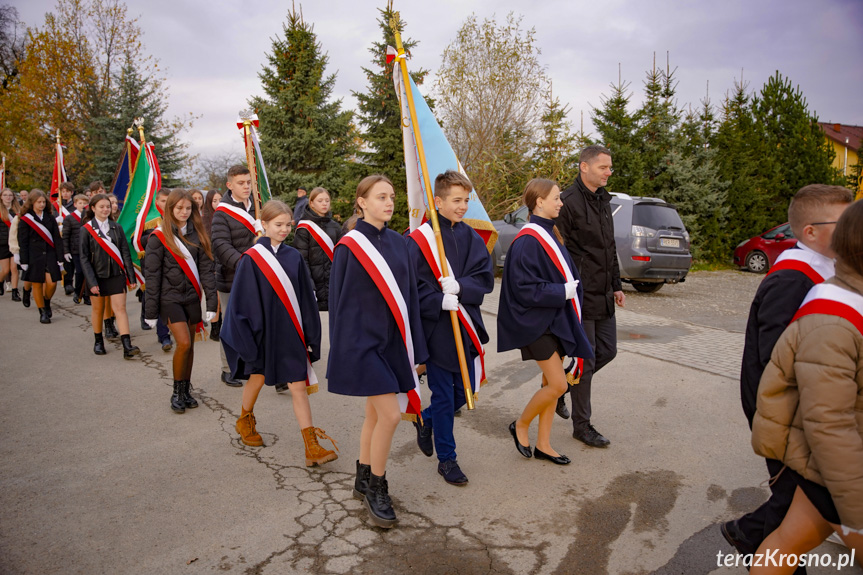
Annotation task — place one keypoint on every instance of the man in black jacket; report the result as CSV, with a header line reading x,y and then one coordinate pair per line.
x,y
588,232
231,236
301,205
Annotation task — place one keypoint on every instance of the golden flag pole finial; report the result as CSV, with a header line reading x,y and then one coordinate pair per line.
x,y
431,212
246,116
139,123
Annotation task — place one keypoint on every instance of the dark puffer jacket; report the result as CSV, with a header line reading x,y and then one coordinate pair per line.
x,y
72,234
588,231
230,240
314,255
96,262
166,280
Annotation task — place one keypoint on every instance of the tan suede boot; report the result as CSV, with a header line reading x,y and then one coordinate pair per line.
x,y
246,428
315,454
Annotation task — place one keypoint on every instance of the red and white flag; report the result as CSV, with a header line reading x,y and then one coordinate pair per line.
x,y
58,177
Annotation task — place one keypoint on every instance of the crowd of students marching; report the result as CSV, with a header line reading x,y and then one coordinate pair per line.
x,y
388,307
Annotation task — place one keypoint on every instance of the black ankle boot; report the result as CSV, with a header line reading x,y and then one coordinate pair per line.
x,y
48,307
15,295
43,315
99,346
189,401
378,502
2,287
129,350
361,483
111,329
26,300
215,330
177,403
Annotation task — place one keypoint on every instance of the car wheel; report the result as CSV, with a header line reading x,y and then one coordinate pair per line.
x,y
647,287
757,262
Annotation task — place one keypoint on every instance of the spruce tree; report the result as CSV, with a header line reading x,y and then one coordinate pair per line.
x,y
306,137
556,155
380,117
795,141
617,131
135,95
659,119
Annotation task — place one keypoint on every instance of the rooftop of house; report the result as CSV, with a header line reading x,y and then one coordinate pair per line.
x,y
839,133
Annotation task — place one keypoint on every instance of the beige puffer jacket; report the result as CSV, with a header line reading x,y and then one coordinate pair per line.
x,y
810,404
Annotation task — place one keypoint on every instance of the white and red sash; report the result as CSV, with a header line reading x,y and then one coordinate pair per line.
x,y
553,251
380,273
76,216
281,284
319,235
815,266
39,228
829,299
238,214
110,248
424,237
184,259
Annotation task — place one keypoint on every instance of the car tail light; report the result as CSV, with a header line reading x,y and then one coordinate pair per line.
x,y
641,258
643,232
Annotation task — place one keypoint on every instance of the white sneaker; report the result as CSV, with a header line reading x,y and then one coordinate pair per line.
x,y
834,538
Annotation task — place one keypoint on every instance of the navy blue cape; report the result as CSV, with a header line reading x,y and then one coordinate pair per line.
x,y
533,298
367,353
471,266
257,334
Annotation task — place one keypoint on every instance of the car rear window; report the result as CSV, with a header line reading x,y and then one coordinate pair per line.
x,y
656,217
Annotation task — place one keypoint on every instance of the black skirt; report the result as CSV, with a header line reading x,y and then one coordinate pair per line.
x,y
818,495
5,254
183,313
543,348
111,286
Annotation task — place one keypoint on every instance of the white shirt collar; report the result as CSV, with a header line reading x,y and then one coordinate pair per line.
x,y
183,229
248,204
275,246
822,264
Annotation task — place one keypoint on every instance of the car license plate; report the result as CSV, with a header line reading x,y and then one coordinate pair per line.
x,y
669,242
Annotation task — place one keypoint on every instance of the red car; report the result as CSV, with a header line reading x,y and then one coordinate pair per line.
x,y
758,254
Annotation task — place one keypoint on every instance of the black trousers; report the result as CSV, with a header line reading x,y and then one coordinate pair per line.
x,y
756,526
79,275
69,268
602,334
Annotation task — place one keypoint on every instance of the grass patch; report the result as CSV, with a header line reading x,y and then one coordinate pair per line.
x,y
711,266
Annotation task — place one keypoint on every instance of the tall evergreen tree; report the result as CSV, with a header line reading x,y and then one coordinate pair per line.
x,y
795,141
380,117
617,127
136,95
556,155
659,119
306,137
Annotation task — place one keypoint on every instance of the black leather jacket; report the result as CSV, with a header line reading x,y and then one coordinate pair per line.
x,y
96,262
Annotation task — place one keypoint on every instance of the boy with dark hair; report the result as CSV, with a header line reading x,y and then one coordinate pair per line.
x,y
470,278
234,231
301,205
71,248
813,213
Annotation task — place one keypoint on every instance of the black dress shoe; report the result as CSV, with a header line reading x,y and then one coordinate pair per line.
x,y
452,473
69,290
559,460
424,438
732,533
590,436
524,450
75,299
561,408
230,381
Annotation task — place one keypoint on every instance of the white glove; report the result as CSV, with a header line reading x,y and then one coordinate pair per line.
x,y
68,257
449,303
450,285
151,322
571,289
211,315
25,266
60,265
17,258
258,227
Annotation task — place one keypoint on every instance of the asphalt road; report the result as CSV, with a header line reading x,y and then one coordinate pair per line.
x,y
99,476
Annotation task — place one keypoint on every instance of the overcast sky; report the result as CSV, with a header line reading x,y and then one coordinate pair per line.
x,y
213,50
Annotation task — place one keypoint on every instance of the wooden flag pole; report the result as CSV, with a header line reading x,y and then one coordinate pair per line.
x,y
246,117
431,211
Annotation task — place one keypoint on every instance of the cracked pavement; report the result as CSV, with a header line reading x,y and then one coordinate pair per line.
x,y
99,476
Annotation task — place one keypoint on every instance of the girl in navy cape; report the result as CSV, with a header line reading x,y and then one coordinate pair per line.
x,y
368,356
260,339
537,316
